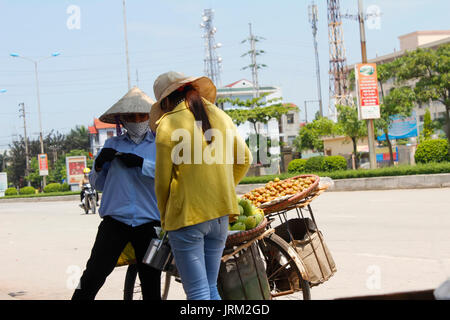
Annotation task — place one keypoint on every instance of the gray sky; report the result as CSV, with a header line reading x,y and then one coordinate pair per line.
x,y
90,74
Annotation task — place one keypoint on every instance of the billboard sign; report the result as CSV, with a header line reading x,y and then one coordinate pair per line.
x,y
74,167
383,154
43,164
367,89
401,127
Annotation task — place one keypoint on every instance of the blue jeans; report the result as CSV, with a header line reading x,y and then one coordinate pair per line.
x,y
197,250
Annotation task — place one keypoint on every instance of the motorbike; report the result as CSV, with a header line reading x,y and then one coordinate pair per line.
x,y
90,199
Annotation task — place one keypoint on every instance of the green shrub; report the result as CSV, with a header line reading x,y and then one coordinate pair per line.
x,y
11,192
52,187
297,166
65,187
334,163
432,151
314,164
27,190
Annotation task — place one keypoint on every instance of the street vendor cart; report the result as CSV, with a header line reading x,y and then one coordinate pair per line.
x,y
284,256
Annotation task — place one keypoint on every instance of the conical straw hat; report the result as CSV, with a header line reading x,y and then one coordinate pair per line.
x,y
135,101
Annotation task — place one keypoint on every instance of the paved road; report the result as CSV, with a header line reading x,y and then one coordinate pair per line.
x,y
382,241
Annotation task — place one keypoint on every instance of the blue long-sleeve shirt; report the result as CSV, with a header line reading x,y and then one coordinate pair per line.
x,y
128,193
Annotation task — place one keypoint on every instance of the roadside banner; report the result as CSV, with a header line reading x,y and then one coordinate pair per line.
x,y
383,154
367,89
74,167
3,183
401,127
43,164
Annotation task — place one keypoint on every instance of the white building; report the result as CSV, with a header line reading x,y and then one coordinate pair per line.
x,y
99,133
285,130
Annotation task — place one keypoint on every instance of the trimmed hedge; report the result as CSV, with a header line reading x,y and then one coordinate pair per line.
x,y
334,163
432,151
52,187
317,164
11,192
27,190
403,170
65,187
314,164
296,165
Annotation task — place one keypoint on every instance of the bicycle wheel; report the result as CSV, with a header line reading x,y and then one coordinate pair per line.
x,y
283,269
132,288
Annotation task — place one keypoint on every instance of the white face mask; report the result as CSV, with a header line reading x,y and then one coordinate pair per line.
x,y
136,130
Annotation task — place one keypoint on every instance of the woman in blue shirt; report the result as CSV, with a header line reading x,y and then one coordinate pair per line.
x,y
124,171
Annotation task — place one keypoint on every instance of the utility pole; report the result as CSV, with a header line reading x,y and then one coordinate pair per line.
x,y
306,108
212,61
254,65
35,62
137,78
338,62
370,126
126,43
313,18
27,157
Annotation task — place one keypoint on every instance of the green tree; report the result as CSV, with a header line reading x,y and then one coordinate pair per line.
x,y
430,70
349,125
309,136
256,110
427,125
77,138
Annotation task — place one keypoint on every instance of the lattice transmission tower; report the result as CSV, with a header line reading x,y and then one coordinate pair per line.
x,y
213,62
338,85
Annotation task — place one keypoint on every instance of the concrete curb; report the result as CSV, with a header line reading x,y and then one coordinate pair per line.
x,y
43,199
441,180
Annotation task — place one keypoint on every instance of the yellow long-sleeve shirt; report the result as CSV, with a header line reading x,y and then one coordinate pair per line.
x,y
195,182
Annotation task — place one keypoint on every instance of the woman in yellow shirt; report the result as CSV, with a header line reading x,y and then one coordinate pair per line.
x,y
200,158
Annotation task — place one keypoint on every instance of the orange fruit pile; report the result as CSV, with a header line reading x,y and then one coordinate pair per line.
x,y
278,188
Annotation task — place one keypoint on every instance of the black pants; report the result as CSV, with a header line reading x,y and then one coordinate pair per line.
x,y
111,239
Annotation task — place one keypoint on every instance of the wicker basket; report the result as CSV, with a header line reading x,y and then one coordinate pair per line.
x,y
296,197
240,237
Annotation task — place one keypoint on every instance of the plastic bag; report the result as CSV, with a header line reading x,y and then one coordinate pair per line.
x,y
127,256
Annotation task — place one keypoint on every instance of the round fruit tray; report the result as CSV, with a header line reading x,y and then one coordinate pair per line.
x,y
278,206
239,237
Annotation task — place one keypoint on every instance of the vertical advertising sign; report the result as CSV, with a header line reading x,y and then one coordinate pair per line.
x,y
367,88
75,166
3,183
43,164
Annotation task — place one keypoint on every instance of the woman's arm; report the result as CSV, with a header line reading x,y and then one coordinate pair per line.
x,y
242,158
163,170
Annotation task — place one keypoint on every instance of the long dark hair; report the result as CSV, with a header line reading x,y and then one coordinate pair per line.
x,y
193,101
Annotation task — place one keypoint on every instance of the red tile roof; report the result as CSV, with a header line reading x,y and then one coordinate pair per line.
x,y
100,125
234,83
